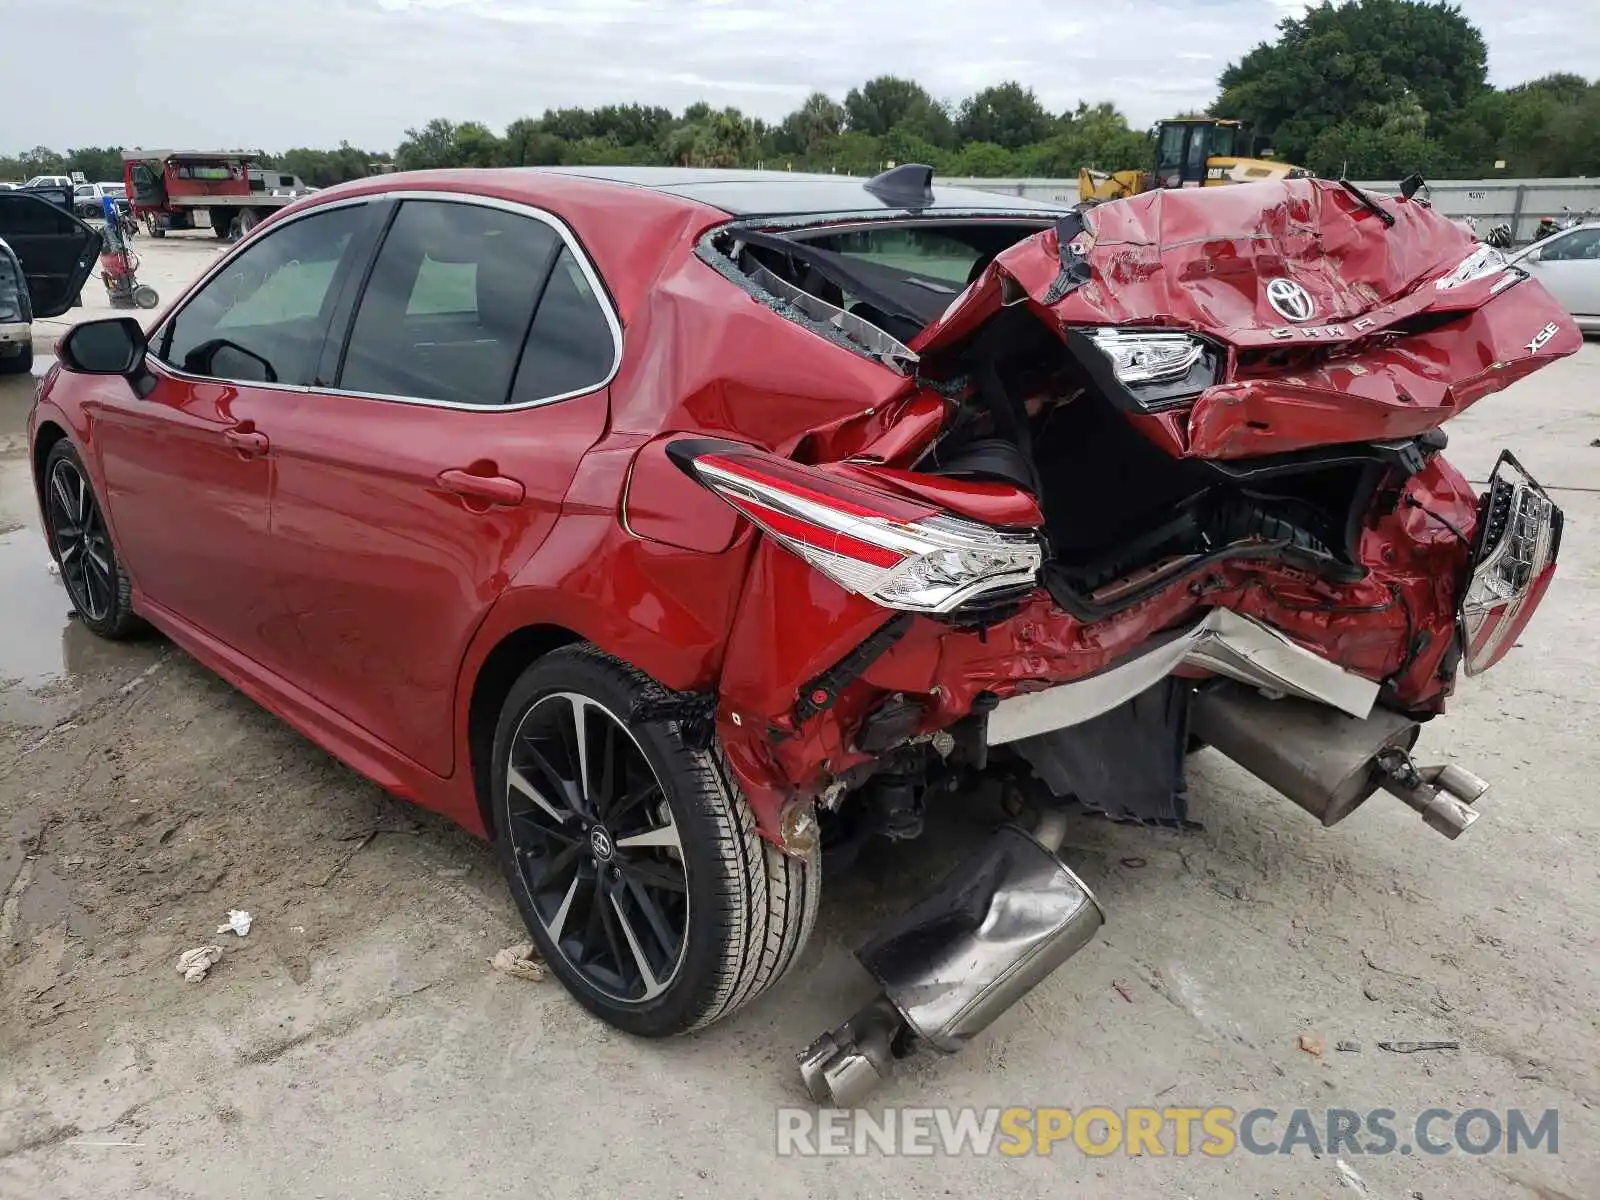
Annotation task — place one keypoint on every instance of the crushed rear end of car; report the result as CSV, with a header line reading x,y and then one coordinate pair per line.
x,y
1170,469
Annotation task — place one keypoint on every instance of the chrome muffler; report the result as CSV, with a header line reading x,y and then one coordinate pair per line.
x,y
993,928
1329,762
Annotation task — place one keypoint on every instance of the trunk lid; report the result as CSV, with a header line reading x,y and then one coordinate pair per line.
x,y
1335,313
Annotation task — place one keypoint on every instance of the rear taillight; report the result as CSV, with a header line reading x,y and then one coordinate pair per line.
x,y
1514,557
901,553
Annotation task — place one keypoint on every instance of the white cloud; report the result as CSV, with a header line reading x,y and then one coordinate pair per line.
x,y
310,72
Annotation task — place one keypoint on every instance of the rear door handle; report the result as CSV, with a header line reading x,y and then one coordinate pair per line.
x,y
246,440
494,489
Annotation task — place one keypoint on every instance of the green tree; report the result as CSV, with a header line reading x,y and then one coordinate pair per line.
x,y
1381,152
41,160
886,103
477,146
528,143
443,143
818,120
431,146
1345,63
983,159
717,139
1007,114
99,164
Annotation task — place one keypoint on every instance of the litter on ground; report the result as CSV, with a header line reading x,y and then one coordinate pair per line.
x,y
519,961
195,963
238,922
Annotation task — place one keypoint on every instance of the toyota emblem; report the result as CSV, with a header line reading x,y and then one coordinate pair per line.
x,y
1291,301
600,843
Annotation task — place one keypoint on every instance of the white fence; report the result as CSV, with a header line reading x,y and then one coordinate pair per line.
x,y
1521,202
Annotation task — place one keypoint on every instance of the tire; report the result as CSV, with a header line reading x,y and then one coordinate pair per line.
x,y
248,220
746,909
18,364
223,223
79,541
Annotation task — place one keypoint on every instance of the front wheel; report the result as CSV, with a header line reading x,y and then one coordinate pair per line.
x,y
633,858
81,545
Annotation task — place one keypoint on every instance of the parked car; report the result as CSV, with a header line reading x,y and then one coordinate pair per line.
x,y
87,198
672,528
49,181
46,255
1568,264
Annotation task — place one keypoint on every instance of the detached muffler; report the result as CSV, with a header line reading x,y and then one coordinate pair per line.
x,y
997,925
1329,762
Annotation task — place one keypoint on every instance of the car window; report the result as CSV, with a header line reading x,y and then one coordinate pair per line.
x,y
83,190
915,251
449,304
570,347
1580,244
263,317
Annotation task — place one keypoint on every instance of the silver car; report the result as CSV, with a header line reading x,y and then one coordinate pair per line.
x,y
1568,263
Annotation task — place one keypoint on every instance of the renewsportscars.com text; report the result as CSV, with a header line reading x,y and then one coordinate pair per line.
x,y
1215,1132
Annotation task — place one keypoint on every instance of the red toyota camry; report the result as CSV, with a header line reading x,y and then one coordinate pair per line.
x,y
679,530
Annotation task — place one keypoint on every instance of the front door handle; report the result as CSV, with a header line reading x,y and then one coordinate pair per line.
x,y
244,438
492,489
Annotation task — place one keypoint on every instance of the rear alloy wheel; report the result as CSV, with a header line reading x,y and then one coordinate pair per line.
x,y
634,860
81,546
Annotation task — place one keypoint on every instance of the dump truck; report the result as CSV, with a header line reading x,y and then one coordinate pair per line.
x,y
169,189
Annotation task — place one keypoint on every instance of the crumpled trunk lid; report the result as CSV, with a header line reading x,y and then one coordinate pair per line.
x,y
1326,303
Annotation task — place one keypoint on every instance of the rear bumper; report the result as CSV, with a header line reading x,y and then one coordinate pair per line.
x,y
1221,643
1391,638
15,337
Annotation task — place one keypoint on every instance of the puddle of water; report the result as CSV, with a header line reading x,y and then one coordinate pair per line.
x,y
40,645
37,635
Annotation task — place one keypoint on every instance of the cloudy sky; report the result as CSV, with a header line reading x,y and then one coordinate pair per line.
x,y
279,73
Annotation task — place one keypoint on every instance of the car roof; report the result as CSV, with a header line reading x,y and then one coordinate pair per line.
x,y
742,193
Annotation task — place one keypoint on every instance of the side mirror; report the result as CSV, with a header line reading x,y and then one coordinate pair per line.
x,y
1411,185
115,346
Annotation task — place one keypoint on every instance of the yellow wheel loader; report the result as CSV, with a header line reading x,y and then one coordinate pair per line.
x,y
1190,152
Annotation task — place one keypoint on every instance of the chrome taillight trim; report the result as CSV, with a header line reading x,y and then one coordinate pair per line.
x,y
1017,557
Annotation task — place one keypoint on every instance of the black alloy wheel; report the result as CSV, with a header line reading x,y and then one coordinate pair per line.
x,y
81,545
79,536
632,855
597,847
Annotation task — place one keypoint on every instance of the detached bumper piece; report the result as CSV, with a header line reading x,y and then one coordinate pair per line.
x,y
995,927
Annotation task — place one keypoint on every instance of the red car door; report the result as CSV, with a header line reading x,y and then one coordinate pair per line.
x,y
472,381
187,469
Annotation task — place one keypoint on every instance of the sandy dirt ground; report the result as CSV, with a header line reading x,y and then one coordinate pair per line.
x,y
357,1044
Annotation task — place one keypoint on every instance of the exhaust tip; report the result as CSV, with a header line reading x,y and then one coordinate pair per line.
x,y
842,1067
1443,795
